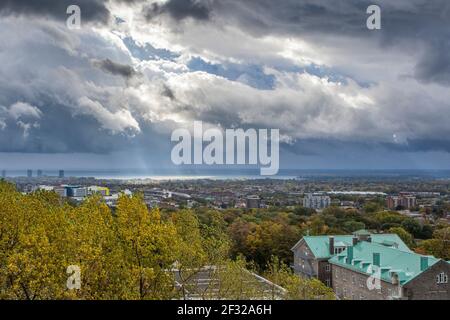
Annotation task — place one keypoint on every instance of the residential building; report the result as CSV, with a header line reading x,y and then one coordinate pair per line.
x,y
311,253
403,200
371,271
368,266
316,201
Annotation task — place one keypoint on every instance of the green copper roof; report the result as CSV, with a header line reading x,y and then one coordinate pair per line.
x,y
361,232
407,265
319,245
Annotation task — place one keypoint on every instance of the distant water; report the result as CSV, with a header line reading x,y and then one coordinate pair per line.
x,y
230,174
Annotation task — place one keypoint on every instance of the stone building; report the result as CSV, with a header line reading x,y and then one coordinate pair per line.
x,y
370,271
311,253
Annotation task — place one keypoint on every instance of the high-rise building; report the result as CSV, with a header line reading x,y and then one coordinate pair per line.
x,y
315,201
3,174
29,173
405,201
39,173
61,173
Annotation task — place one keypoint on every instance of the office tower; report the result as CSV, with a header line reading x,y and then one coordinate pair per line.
x,y
39,173
61,173
29,173
3,174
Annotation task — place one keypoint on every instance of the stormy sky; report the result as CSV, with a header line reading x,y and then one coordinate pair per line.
x,y
109,94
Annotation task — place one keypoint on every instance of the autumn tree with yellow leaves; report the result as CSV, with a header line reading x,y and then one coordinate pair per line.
x,y
129,253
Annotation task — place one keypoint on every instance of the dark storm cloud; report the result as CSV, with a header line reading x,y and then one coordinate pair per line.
x,y
181,9
434,66
115,68
410,23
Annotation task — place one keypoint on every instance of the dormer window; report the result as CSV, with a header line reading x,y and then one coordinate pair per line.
x,y
442,278
338,250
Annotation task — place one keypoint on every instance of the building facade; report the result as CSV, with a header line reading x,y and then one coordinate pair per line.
x,y
312,253
370,271
314,201
405,201
367,266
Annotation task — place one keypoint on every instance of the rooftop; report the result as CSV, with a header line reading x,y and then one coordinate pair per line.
x,y
406,265
320,245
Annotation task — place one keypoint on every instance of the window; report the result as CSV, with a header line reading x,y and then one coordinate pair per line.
x,y
338,250
327,267
328,282
442,278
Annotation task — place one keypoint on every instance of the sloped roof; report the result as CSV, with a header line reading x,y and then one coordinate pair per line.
x,y
361,232
407,265
320,245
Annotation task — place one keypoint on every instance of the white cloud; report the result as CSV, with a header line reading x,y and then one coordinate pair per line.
x,y
21,109
116,122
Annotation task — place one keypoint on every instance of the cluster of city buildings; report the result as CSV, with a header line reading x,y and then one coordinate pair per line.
x,y
368,266
403,200
39,173
79,193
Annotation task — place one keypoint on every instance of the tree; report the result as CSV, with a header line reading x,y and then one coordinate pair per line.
x,y
439,246
150,248
412,226
297,288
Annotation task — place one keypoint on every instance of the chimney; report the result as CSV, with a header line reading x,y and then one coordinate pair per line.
x,y
423,263
355,241
376,259
331,239
349,255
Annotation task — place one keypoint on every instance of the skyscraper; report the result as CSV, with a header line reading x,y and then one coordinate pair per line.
x,y
61,173
39,173
29,173
3,174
